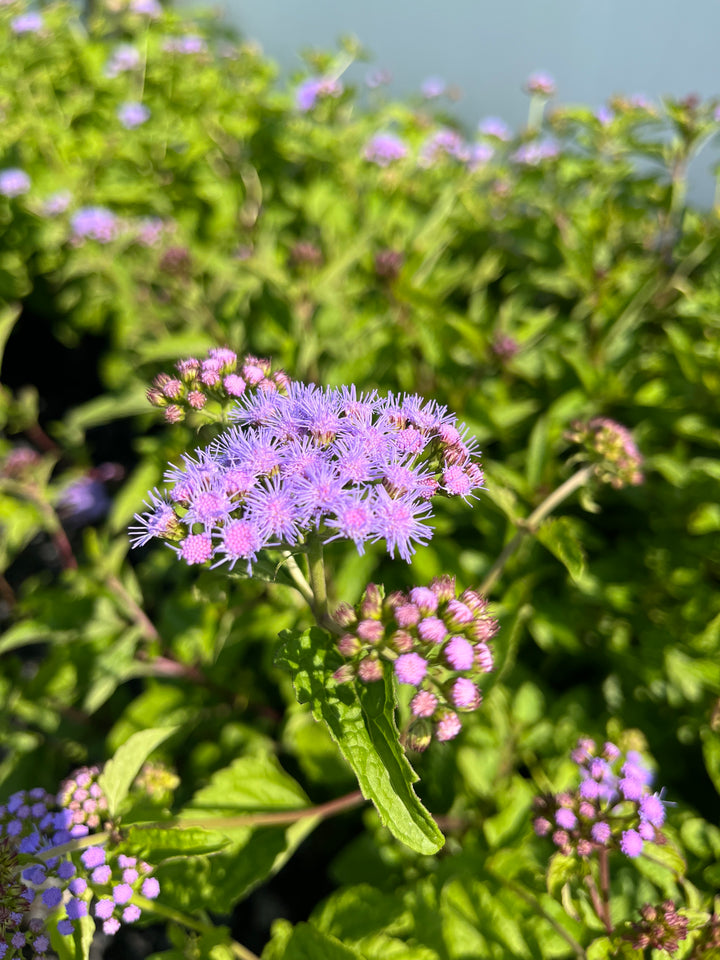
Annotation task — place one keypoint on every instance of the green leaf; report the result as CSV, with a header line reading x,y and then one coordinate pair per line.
x,y
561,540
362,723
121,770
164,843
561,870
308,943
711,754
74,947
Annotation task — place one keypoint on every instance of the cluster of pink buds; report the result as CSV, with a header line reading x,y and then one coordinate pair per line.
x,y
222,376
661,928
612,808
436,642
82,796
611,447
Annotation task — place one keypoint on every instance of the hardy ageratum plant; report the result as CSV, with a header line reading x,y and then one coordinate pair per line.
x,y
303,467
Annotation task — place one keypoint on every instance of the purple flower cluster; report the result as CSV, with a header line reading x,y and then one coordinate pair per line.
x,y
324,463
495,127
57,203
661,928
147,8
132,114
94,223
612,807
221,377
611,447
14,182
433,87
436,642
314,88
540,84
443,143
535,152
115,881
124,59
190,44
384,148
30,22
82,795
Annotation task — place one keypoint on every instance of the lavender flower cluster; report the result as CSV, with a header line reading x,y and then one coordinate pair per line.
x,y
661,928
612,808
311,462
222,376
316,88
34,824
436,642
611,447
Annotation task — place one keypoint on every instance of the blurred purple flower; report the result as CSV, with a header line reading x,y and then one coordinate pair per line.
x,y
57,203
124,58
377,78
604,115
95,223
533,153
443,142
540,83
433,87
132,114
384,148
189,44
495,127
149,231
307,93
30,22
14,182
84,502
480,154
150,8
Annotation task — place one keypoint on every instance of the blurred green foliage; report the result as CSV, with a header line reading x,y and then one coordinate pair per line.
x,y
526,295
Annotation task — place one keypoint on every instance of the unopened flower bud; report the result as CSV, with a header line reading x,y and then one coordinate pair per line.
x,y
418,736
372,603
344,615
344,674
370,670
348,645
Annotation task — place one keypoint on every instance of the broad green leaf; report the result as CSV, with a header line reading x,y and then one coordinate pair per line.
x,y
561,540
163,843
122,769
309,943
711,753
561,870
362,723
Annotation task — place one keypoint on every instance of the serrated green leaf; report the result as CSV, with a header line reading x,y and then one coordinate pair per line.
x,y
559,537
362,723
121,770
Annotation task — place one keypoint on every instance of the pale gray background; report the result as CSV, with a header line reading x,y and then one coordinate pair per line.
x,y
593,48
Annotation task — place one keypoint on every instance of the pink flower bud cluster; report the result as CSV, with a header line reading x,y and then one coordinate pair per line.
x,y
115,881
82,796
437,642
222,376
20,463
661,928
612,807
611,447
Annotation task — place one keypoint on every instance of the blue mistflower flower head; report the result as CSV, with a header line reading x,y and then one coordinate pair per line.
x,y
384,148
310,462
14,182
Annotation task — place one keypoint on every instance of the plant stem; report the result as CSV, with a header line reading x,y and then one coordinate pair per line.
x,y
318,586
536,905
279,818
533,522
604,865
134,609
191,923
52,522
298,577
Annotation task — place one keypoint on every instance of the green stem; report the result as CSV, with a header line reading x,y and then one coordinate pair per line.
x,y
532,901
533,522
170,913
53,525
81,843
298,577
318,585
